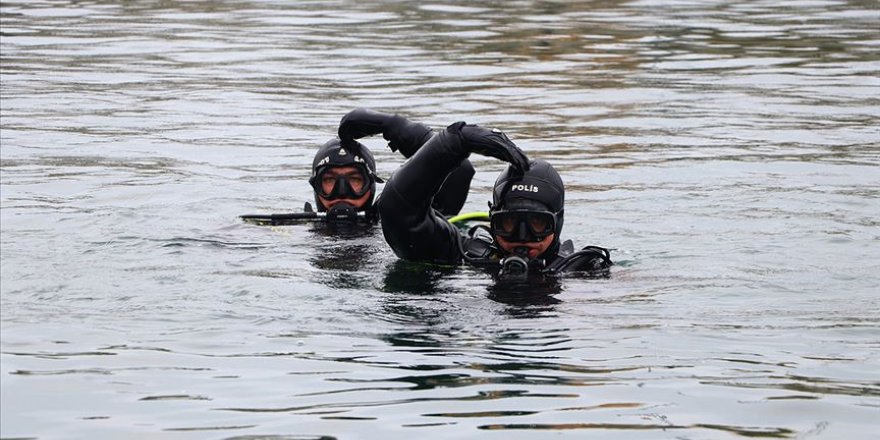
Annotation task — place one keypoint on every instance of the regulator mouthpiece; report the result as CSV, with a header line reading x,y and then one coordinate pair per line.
x,y
342,212
514,268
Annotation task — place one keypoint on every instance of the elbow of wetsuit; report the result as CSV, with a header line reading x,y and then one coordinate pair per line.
x,y
405,135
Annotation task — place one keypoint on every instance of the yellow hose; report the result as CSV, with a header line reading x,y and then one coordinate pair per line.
x,y
469,216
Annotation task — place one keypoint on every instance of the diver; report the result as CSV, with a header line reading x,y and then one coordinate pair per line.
x,y
522,239
344,178
344,181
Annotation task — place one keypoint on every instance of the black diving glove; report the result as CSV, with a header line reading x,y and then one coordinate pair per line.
x,y
400,133
490,142
362,122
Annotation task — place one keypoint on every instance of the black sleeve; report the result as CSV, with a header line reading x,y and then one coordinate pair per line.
x,y
408,137
413,229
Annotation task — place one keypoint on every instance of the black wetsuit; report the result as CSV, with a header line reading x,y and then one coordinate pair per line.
x,y
417,232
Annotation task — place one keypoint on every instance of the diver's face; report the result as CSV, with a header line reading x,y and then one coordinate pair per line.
x,y
356,180
535,248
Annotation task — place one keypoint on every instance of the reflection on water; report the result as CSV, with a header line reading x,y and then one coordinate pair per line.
x,y
536,291
415,278
344,247
726,151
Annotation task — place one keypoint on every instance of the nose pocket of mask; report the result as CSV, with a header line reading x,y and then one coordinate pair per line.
x,y
523,233
341,188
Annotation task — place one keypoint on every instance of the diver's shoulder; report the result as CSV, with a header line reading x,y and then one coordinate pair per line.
x,y
593,259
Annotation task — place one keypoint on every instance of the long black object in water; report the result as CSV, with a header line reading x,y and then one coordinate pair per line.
x,y
293,218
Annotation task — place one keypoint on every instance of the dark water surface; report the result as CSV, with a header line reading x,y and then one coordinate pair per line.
x,y
729,153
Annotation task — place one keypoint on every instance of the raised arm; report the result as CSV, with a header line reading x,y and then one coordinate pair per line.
x,y
407,137
401,133
411,227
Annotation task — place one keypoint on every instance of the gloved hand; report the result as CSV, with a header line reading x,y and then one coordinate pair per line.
x,y
362,122
401,133
490,142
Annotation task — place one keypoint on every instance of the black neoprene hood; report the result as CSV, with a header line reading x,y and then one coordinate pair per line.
x,y
541,183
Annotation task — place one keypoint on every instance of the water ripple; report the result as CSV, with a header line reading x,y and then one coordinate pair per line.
x,y
726,151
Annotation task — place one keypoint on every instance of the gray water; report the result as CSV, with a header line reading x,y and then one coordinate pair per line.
x,y
728,152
